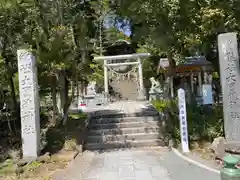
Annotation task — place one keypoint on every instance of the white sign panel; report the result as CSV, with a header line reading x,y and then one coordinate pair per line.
x,y
207,94
183,120
163,63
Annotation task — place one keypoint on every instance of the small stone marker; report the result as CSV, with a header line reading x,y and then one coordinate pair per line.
x,y
207,94
29,102
183,120
230,81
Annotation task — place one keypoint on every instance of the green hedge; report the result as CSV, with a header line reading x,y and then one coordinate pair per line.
x,y
204,122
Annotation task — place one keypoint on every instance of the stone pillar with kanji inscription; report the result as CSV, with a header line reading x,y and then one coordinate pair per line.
x,y
230,81
29,102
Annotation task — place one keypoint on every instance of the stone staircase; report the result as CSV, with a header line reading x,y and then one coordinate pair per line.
x,y
124,131
126,88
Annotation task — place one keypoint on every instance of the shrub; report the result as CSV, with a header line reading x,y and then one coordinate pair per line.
x,y
204,122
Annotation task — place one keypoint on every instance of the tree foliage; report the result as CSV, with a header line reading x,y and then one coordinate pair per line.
x,y
62,35
180,27
65,35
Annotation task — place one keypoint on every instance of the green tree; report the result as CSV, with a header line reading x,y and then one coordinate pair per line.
x,y
62,35
175,28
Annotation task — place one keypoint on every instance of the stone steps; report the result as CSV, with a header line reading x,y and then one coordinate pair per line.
x,y
124,120
116,114
124,132
134,124
124,137
125,144
116,131
125,124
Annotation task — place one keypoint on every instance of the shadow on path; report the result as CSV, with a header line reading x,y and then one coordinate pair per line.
x,y
180,169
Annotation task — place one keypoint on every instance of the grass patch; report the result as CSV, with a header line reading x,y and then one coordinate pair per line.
x,y
7,168
35,170
66,137
33,166
62,143
78,116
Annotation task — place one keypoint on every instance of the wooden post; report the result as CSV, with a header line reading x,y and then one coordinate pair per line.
x,y
192,85
171,87
200,83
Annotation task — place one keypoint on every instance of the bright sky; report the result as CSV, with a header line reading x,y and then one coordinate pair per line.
x,y
126,30
109,22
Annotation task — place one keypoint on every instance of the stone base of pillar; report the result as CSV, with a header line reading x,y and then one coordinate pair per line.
x,y
141,96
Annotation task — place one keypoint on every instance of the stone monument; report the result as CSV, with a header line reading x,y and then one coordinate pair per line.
x,y
29,102
230,81
154,83
91,88
155,92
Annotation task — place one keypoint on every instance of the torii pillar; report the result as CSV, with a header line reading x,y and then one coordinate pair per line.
x,y
141,93
105,76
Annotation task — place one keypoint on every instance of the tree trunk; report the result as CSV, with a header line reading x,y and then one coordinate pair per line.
x,y
82,88
73,88
8,66
64,99
171,72
54,100
13,94
172,63
78,92
61,93
15,104
67,100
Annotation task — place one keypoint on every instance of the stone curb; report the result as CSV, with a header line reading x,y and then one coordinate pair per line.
x,y
180,155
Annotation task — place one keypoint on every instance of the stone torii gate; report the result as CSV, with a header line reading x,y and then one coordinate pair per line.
x,y
138,62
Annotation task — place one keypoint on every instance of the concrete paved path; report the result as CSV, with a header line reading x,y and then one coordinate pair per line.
x,y
180,169
144,165
127,165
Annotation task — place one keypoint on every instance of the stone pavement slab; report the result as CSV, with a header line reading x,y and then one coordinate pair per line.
x,y
142,164
126,165
134,164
